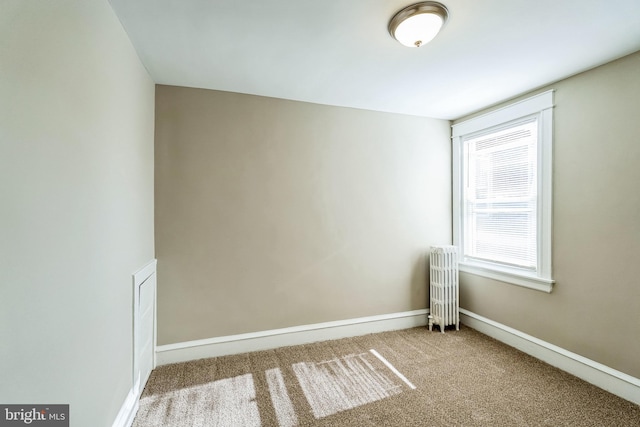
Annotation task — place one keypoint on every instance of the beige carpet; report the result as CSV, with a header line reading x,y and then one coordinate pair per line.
x,y
411,377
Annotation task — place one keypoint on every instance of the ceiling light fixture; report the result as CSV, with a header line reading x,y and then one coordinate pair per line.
x,y
418,24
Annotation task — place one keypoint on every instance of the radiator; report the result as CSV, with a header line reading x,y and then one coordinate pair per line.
x,y
444,290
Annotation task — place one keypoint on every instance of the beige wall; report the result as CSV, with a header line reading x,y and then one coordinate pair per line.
x,y
76,215
274,213
594,309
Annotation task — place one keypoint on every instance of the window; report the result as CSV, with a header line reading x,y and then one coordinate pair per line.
x,y
502,193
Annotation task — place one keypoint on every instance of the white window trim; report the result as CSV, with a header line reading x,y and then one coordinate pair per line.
x,y
541,105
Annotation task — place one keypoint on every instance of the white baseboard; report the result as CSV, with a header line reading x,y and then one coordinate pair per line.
x,y
600,375
265,340
129,408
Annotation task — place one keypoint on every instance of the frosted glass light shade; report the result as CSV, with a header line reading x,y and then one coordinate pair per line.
x,y
418,24
418,30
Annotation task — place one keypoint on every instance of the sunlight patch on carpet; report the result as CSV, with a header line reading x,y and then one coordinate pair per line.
x,y
222,403
280,399
233,402
329,387
343,383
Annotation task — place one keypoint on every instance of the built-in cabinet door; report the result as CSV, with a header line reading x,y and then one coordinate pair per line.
x,y
145,336
144,324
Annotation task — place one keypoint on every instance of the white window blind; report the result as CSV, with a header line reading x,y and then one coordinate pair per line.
x,y
500,194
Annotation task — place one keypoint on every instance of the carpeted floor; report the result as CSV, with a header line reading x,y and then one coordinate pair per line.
x,y
411,377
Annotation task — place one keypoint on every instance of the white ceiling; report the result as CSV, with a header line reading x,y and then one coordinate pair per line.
x,y
338,52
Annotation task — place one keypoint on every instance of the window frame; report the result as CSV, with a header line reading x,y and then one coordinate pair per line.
x,y
540,106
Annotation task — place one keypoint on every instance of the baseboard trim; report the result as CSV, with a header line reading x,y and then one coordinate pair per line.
x,y
596,373
129,408
265,340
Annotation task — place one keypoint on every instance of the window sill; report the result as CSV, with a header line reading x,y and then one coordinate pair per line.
x,y
513,278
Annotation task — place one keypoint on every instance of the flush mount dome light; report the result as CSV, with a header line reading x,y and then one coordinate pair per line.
x,y
418,24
